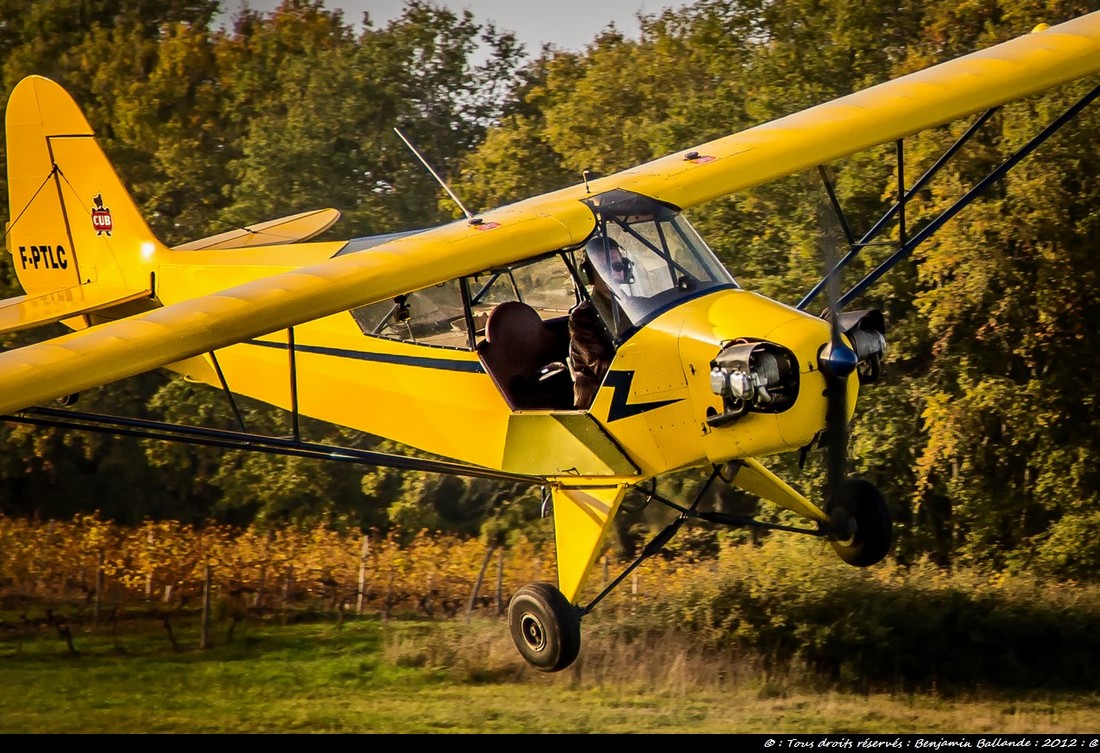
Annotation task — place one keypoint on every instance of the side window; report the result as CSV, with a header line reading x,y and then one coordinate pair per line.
x,y
437,315
432,316
487,290
545,284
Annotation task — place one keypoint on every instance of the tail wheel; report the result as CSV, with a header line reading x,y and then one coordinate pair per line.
x,y
545,627
862,528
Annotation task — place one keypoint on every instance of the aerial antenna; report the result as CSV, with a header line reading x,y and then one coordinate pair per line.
x,y
434,174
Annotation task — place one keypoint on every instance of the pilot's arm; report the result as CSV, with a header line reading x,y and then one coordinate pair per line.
x,y
590,353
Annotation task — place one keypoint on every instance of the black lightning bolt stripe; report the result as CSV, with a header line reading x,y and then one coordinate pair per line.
x,y
446,364
620,381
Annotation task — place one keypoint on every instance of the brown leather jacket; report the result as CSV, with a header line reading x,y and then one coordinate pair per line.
x,y
590,353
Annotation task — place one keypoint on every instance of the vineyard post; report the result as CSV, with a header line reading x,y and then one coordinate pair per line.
x,y
258,599
98,588
263,569
500,581
360,597
204,639
480,577
386,604
286,591
149,575
607,576
40,576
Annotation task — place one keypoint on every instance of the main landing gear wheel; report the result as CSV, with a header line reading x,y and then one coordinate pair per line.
x,y
863,531
545,627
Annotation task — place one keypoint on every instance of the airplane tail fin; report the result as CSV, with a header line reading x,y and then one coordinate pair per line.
x,y
71,221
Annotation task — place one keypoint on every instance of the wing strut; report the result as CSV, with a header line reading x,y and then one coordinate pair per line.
x,y
906,246
296,427
928,230
228,392
898,207
236,440
825,181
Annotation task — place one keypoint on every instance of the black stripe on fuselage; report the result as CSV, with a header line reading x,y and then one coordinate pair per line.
x,y
473,367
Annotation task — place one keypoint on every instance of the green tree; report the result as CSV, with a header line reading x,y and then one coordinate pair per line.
x,y
315,108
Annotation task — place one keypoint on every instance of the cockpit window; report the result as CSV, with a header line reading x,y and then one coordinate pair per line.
x,y
662,259
647,256
545,284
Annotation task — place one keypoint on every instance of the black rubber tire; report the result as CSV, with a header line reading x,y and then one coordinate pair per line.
x,y
545,627
863,528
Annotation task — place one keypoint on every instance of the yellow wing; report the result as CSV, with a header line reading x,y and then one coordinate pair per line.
x,y
903,106
289,296
122,348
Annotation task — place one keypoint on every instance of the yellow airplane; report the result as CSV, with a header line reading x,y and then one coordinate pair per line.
x,y
456,340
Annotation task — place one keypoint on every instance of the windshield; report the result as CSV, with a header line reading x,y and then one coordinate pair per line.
x,y
649,257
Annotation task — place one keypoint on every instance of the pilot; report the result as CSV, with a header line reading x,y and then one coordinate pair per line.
x,y
590,346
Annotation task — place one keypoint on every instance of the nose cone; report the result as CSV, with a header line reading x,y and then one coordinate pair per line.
x,y
837,359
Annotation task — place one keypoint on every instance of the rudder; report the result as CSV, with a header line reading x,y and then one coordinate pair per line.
x,y
71,220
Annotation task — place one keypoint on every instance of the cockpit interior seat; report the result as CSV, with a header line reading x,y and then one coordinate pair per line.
x,y
518,348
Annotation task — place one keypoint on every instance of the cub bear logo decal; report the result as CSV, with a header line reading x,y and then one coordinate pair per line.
x,y
101,217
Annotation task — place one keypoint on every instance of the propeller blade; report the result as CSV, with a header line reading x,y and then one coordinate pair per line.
x,y
838,361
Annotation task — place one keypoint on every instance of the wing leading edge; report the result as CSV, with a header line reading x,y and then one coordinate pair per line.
x,y
116,350
900,107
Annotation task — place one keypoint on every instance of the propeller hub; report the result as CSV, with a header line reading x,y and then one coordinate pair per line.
x,y
838,360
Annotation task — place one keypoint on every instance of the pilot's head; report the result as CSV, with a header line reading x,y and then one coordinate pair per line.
x,y
605,260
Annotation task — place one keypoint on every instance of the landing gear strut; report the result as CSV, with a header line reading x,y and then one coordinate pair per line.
x,y
546,628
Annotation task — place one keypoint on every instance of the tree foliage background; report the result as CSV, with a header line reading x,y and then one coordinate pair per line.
x,y
982,435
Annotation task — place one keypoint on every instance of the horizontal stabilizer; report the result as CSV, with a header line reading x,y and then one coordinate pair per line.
x,y
27,311
294,228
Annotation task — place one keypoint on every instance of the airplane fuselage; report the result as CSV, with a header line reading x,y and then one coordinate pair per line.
x,y
649,416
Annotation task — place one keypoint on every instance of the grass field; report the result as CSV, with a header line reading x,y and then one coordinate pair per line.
x,y
413,676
